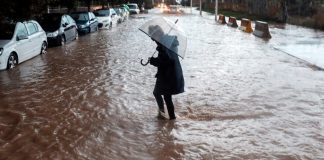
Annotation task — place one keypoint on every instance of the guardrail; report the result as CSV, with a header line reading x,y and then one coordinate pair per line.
x,y
261,28
221,19
232,22
246,25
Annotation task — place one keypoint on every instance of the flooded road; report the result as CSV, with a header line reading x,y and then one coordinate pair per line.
x,y
91,99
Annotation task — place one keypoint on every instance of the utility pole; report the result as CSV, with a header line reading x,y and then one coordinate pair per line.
x,y
191,6
216,9
200,7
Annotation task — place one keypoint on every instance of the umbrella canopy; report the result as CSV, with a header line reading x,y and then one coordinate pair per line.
x,y
166,33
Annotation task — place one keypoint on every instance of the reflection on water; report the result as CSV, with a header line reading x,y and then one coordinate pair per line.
x,y
91,99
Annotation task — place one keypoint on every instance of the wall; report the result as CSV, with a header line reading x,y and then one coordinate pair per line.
x,y
272,9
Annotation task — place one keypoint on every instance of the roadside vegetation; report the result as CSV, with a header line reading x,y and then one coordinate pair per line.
x,y
298,12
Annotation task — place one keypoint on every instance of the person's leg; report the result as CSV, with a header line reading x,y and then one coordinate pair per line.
x,y
159,101
170,106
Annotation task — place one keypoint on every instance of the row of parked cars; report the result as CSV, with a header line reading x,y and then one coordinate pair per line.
x,y
20,41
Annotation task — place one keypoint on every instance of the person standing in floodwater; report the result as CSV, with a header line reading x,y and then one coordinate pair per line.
x,y
169,78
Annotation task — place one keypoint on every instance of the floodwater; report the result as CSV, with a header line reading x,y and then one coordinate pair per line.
x,y
91,99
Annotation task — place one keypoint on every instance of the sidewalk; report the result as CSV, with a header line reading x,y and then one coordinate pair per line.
x,y
303,43
297,41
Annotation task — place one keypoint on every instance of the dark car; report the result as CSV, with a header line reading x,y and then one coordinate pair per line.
x,y
59,28
86,21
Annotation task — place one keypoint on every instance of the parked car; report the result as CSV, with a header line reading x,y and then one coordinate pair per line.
x,y
125,9
59,28
124,13
133,8
106,18
164,8
86,21
119,15
20,41
174,9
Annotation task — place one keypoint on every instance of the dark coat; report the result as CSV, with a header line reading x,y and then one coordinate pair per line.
x,y
169,77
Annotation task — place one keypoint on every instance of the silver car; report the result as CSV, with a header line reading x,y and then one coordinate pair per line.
x,y
20,41
133,8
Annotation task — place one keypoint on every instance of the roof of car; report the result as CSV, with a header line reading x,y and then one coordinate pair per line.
x,y
54,14
102,9
80,12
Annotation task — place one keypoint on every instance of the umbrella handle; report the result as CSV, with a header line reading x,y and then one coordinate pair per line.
x,y
144,64
148,60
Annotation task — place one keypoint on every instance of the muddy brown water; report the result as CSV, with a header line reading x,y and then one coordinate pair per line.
x,y
91,99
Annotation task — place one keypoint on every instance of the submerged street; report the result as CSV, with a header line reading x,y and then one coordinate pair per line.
x,y
92,99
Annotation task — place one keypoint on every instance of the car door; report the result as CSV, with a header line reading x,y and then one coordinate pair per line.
x,y
23,45
73,27
67,28
35,38
113,16
93,21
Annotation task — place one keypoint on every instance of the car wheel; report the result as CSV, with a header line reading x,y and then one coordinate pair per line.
x,y
63,41
44,48
12,61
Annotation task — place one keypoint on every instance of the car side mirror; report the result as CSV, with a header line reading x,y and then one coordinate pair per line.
x,y
22,37
65,24
92,19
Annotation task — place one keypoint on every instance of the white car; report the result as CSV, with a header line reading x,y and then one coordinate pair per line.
x,y
133,8
119,15
20,41
123,13
106,18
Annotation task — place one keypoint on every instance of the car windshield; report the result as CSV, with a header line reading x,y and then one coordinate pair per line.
x,y
117,10
51,22
102,13
80,16
6,31
132,6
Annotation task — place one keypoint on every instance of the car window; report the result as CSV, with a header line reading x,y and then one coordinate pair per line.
x,y
92,15
102,13
36,26
132,6
117,10
70,19
64,20
21,30
32,28
112,11
80,17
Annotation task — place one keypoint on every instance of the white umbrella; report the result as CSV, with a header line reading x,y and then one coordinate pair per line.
x,y
166,33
